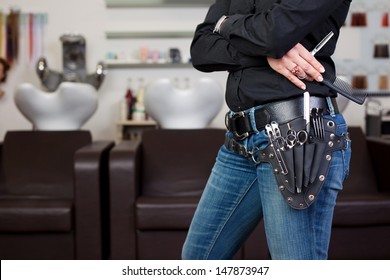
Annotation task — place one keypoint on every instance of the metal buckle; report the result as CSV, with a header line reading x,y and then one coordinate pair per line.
x,y
240,137
231,125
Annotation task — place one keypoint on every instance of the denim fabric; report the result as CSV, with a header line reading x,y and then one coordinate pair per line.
x,y
239,193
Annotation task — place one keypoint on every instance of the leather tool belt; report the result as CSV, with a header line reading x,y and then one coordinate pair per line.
x,y
240,125
300,153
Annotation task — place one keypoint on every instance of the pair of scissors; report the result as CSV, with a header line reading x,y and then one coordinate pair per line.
x,y
294,137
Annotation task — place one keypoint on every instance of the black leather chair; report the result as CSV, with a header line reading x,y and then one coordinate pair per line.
x,y
155,186
53,195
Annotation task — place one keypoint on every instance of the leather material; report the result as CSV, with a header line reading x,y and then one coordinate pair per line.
x,y
181,151
31,214
363,209
165,212
54,195
280,112
296,194
41,162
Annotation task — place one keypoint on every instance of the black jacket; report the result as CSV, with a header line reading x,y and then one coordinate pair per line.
x,y
256,29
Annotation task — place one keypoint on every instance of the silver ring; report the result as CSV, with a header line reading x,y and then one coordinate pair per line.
x,y
302,77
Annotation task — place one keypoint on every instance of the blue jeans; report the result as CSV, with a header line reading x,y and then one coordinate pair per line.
x,y
239,193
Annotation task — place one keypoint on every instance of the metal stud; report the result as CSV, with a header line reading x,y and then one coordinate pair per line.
x,y
330,124
311,197
330,144
322,178
290,200
301,205
281,188
332,136
328,157
276,171
271,156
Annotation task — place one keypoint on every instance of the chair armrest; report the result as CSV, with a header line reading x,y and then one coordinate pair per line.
x,y
379,150
2,188
123,192
91,200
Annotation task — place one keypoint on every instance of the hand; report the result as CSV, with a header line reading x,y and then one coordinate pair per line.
x,y
298,64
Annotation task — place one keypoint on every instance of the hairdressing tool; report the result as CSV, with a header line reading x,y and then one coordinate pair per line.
x,y
335,83
318,123
322,43
294,137
306,110
273,133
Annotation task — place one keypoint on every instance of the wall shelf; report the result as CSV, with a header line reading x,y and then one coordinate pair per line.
x,y
148,34
113,64
158,3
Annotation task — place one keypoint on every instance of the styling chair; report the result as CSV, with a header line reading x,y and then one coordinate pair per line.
x,y
155,185
53,195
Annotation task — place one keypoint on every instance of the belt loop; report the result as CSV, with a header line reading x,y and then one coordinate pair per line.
x,y
253,119
330,105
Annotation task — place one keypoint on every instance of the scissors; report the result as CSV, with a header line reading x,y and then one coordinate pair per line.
x,y
294,137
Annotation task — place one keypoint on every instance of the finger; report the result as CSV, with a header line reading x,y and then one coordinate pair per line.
x,y
306,55
299,73
309,69
289,74
309,63
313,61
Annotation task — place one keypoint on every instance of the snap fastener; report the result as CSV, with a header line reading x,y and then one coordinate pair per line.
x,y
330,124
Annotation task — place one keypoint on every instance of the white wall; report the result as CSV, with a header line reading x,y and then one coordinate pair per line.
x,y
91,18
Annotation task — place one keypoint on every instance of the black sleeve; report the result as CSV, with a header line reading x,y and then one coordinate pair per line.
x,y
212,52
275,31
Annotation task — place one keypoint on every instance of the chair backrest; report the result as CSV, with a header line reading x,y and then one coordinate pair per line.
x,y
178,162
362,177
41,162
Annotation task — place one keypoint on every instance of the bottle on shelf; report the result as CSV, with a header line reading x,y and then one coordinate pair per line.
x,y
139,113
130,100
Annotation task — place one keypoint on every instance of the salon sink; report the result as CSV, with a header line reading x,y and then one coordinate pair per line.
x,y
66,108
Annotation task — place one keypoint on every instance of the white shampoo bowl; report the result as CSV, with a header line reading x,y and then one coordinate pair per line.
x,y
67,108
190,108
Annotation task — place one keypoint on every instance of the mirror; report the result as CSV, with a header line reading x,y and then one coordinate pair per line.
x,y
158,3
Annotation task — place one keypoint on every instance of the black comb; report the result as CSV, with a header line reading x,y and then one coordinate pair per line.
x,y
344,88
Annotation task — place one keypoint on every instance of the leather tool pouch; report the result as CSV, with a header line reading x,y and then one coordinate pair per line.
x,y
301,169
